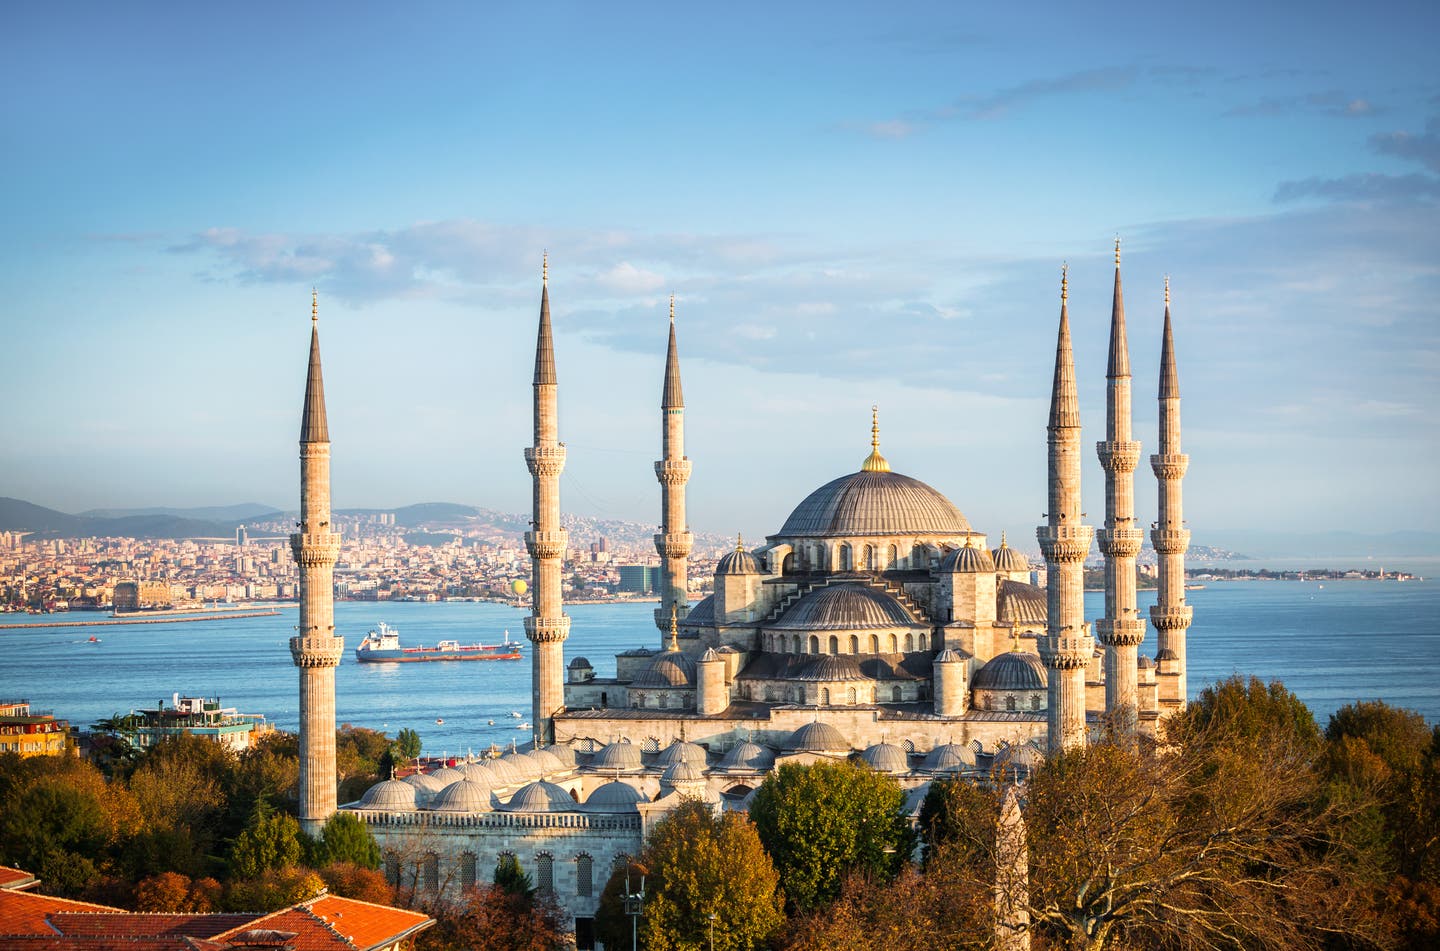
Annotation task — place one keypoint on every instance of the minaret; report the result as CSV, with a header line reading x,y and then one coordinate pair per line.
x,y
673,470
548,625
1066,647
1170,615
315,648
1122,629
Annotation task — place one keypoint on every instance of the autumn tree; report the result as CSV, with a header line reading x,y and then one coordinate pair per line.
x,y
822,821
497,920
355,881
173,892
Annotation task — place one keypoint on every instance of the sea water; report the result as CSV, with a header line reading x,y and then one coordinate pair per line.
x,y
1331,643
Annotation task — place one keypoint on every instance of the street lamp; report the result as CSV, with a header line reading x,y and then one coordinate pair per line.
x,y
634,907
712,931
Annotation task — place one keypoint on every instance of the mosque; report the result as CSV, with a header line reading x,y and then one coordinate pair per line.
x,y
876,624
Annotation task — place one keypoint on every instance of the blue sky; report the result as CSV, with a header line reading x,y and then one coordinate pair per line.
x,y
854,205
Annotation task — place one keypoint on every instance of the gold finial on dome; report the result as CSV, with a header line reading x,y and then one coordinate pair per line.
x,y
739,542
674,627
875,462
1014,640
1002,539
315,304
1064,281
545,266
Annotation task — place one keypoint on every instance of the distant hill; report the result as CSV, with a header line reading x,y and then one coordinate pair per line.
x,y
244,512
1334,544
17,515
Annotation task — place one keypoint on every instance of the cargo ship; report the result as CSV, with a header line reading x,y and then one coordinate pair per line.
x,y
383,646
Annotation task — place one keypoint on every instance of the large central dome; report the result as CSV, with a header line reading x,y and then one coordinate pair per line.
x,y
875,503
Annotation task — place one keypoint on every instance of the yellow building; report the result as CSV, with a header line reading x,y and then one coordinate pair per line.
x,y
31,734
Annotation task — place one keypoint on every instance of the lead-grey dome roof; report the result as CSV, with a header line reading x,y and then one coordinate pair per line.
x,y
817,737
464,795
737,562
886,758
967,560
681,752
844,607
1012,670
614,796
875,503
540,796
393,795
832,668
948,758
1008,559
747,755
622,754
668,669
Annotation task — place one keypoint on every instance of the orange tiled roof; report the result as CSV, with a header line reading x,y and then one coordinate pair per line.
x,y
16,878
25,912
365,924
151,924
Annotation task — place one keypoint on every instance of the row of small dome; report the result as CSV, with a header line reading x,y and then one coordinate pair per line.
x,y
957,560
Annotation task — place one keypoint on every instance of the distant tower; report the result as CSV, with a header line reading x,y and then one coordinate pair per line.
x,y
1170,615
673,542
315,649
548,625
1066,647
1122,629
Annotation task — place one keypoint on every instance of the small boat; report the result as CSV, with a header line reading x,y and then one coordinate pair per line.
x,y
383,646
93,639
515,714
523,726
439,720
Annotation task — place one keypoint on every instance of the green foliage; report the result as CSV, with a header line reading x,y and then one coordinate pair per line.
x,y
511,878
273,889
57,831
951,808
271,842
1246,709
346,839
822,821
407,743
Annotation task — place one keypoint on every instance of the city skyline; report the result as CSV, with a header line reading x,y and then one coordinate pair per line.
x,y
851,210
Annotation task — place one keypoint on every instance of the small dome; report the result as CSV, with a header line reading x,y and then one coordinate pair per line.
x,y
1022,758
817,737
967,560
505,773
747,756
465,795
831,668
948,758
681,773
580,663
564,754
844,607
948,656
668,669
479,772
681,752
1166,654
1012,670
1144,663
709,657
621,754
524,764
614,796
1008,559
426,787
886,758
540,797
549,762
393,795
737,562
702,614
446,775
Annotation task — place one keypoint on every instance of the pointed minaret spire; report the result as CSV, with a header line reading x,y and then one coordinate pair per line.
x,y
1122,629
545,339
875,462
673,542
313,426
1170,615
1169,378
1064,398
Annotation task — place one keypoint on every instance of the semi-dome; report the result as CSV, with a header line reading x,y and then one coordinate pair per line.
x,y
886,758
540,796
747,755
831,668
702,614
1008,559
844,607
465,795
875,503
1012,670
817,737
621,754
967,560
392,795
672,668
681,752
948,758
614,796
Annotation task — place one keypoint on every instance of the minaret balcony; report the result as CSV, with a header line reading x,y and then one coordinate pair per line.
x,y
547,630
1118,456
544,545
1170,541
1171,617
315,548
317,651
1066,651
1120,542
674,544
1169,466
545,460
1065,543
673,471
1120,631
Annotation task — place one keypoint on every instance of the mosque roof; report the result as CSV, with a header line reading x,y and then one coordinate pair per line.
x,y
621,754
672,668
966,559
505,772
525,765
465,795
1008,559
874,503
702,613
1012,670
480,772
565,754
540,796
844,607
831,668
614,796
579,663
446,775
1021,757
681,773
737,562
549,762
817,737
681,752
747,755
948,758
1021,603
394,795
886,758
426,786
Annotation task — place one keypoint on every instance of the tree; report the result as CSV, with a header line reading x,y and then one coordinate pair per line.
x,y
821,821
355,881
173,892
272,842
407,743
345,838
496,920
701,864
511,878
273,889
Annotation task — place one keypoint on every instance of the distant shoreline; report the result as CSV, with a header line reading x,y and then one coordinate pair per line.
x,y
152,619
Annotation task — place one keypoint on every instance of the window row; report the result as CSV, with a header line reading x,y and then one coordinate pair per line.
x,y
425,873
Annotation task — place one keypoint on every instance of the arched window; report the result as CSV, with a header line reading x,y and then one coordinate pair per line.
x,y
545,872
468,863
834,644
924,642
620,861
1035,702
825,696
894,644
850,696
430,871
896,695
892,554
854,644
392,868
796,646
814,644
787,566
846,557
1010,703
870,557
909,642
874,643
651,745
584,875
